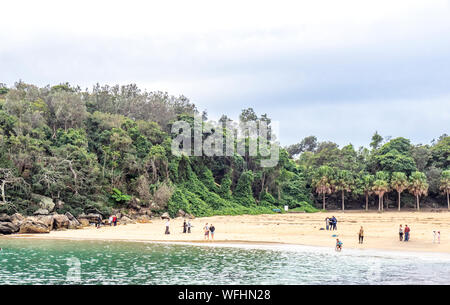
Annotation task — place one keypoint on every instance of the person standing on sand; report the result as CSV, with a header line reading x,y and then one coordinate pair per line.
x,y
407,230
206,229
212,229
184,226
434,237
110,219
439,237
167,226
115,220
400,233
334,223
189,226
361,235
327,223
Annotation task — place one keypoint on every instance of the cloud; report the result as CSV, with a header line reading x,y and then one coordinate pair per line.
x,y
342,59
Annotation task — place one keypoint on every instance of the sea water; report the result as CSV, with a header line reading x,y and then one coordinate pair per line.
x,y
28,261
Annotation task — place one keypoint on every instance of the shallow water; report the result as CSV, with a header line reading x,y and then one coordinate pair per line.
x,y
28,261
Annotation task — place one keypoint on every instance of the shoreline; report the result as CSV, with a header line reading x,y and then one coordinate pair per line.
x,y
291,229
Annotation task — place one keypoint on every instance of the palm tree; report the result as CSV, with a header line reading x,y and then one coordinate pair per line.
x,y
367,183
344,183
418,186
323,182
445,185
399,182
380,187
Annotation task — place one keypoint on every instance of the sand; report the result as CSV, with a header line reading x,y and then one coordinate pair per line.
x,y
381,230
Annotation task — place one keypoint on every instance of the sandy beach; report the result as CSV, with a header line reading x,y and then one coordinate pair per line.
x,y
381,230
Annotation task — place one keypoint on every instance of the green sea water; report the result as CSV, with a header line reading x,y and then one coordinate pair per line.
x,y
28,261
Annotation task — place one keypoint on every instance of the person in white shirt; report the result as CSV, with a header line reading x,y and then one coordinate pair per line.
x,y
167,226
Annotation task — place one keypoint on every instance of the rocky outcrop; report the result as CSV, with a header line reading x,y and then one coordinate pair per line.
x,y
33,226
60,222
91,218
165,216
44,202
41,212
45,219
125,220
181,213
8,228
17,219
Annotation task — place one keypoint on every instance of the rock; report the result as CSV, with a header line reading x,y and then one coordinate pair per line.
x,y
165,215
92,218
17,219
33,226
83,222
44,202
60,222
190,216
126,220
70,216
143,219
181,213
41,212
59,204
46,219
5,218
8,228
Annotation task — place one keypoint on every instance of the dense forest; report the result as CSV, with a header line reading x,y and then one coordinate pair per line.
x,y
109,148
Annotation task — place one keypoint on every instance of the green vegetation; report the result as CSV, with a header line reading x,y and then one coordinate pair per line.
x,y
110,147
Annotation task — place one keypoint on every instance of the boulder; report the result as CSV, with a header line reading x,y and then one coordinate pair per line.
x,y
181,213
60,222
83,222
5,218
165,215
8,228
33,226
92,218
44,202
17,219
41,212
70,216
46,219
126,220
143,219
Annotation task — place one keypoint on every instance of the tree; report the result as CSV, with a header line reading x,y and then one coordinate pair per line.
x,y
376,141
380,187
399,182
367,184
7,176
445,185
323,182
418,186
343,182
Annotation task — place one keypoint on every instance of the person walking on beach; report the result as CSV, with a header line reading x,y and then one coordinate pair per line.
x,y
361,235
407,230
212,229
327,223
206,229
184,226
400,233
439,237
434,237
189,226
167,226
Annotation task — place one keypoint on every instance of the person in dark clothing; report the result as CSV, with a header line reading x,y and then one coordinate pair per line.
x,y
184,226
99,222
334,223
211,231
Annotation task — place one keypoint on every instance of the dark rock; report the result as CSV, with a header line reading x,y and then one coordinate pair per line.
x,y
8,228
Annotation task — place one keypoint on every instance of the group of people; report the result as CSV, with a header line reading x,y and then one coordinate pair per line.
x,y
331,223
403,233
208,229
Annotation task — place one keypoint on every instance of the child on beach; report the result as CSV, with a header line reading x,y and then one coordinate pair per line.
x,y
338,245
400,233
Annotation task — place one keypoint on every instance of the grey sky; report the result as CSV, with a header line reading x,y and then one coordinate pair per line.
x,y
335,69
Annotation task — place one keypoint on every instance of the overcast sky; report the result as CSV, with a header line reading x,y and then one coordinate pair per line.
x,y
335,69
